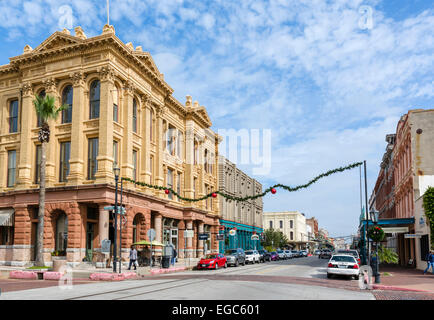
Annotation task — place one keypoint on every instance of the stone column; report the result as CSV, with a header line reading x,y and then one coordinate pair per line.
x,y
189,226
3,167
127,145
199,250
24,162
76,162
50,177
105,134
104,223
22,235
158,227
73,251
158,162
144,132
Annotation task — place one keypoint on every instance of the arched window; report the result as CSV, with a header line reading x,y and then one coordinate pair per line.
x,y
94,97
116,105
61,234
135,223
134,115
67,100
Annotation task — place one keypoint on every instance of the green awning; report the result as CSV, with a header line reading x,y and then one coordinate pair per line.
x,y
7,217
145,242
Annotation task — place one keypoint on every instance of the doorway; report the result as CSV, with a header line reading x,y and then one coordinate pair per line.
x,y
90,236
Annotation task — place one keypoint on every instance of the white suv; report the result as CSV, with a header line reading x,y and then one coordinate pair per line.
x,y
252,256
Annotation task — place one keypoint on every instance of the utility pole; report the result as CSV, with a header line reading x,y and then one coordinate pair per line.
x,y
366,216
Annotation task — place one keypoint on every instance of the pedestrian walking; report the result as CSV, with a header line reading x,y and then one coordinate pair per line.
x,y
430,262
133,258
174,254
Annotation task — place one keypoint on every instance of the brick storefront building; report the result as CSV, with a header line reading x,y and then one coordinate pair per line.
x,y
121,113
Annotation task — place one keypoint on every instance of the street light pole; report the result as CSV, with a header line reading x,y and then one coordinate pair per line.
x,y
366,214
116,171
377,260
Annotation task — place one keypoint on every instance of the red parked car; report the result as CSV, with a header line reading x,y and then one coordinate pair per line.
x,y
213,261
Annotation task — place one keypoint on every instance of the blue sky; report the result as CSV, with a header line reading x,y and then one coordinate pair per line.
x,y
328,82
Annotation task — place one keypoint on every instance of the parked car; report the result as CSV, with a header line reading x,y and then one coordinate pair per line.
x,y
343,265
235,257
326,253
317,252
252,256
281,253
353,253
213,261
289,254
265,255
274,256
295,253
303,253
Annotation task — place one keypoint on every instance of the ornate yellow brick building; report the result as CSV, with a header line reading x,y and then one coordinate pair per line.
x,y
121,113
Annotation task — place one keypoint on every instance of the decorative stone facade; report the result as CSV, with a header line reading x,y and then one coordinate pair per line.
x,y
246,216
119,97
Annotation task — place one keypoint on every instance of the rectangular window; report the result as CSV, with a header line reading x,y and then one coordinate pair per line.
x,y
151,169
65,153
291,236
92,163
115,154
6,235
281,224
271,224
94,110
179,144
206,200
12,163
38,163
115,112
178,185
151,125
134,164
291,224
194,187
134,116
13,116
170,181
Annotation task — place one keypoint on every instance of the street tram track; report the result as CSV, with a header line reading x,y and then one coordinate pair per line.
x,y
156,284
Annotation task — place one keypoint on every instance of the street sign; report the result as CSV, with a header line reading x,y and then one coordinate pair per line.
x,y
396,230
254,237
219,237
151,234
121,210
412,236
203,236
105,246
232,232
188,233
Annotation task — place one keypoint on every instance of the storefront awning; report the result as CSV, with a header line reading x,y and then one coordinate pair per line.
x,y
403,222
148,243
7,217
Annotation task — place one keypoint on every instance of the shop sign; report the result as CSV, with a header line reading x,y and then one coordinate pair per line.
x,y
254,237
412,236
203,236
232,232
220,237
188,233
105,246
396,230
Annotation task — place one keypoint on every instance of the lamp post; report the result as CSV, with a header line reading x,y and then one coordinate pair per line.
x,y
374,218
116,172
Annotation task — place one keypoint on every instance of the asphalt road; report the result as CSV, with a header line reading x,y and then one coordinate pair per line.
x,y
298,278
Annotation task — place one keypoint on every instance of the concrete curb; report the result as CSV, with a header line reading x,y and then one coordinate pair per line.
x,y
113,277
28,275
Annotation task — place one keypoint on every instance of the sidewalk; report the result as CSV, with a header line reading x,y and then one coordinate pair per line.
x,y
93,273
404,279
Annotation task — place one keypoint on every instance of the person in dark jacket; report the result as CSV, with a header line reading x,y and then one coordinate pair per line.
x,y
174,254
430,262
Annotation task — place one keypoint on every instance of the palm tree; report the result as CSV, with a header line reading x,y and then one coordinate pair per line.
x,y
45,109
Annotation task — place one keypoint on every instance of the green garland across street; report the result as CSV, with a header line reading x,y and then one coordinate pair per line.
x,y
271,189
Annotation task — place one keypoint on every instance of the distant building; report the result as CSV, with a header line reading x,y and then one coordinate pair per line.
x,y
291,223
245,216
